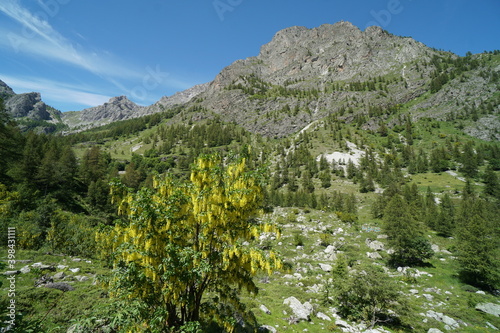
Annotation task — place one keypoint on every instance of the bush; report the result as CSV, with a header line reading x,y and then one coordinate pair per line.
x,y
370,295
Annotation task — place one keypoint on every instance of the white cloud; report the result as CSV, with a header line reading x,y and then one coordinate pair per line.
x,y
38,38
55,91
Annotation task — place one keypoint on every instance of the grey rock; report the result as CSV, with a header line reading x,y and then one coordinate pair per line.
x,y
434,330
452,323
300,311
373,255
488,324
330,249
490,308
25,269
28,105
81,278
267,328
323,316
75,270
264,309
60,286
9,273
59,276
326,267
376,245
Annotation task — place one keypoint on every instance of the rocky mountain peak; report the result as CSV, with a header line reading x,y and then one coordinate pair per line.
x,y
28,105
5,90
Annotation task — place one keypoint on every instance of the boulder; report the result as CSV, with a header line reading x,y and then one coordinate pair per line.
x,y
323,316
376,246
330,249
59,276
373,255
267,328
326,267
301,311
26,269
490,308
265,309
434,330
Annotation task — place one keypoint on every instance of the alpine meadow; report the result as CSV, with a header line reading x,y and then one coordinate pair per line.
x,y
342,180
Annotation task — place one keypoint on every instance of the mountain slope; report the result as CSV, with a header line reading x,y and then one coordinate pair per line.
x,y
303,75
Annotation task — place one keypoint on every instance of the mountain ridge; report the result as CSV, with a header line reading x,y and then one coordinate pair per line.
x,y
302,75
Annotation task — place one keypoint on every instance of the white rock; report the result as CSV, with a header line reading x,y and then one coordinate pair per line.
x,y
326,267
491,308
434,330
75,270
323,316
81,278
373,255
376,246
265,309
269,328
330,249
25,269
302,312
61,267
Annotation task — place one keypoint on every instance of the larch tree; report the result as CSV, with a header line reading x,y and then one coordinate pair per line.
x,y
405,234
182,251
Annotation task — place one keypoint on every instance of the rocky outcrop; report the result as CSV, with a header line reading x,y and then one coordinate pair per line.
x,y
28,105
5,91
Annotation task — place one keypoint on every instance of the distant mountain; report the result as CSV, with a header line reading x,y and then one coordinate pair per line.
x,y
27,105
117,108
303,75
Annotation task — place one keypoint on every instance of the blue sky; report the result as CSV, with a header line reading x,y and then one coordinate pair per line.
x,y
80,53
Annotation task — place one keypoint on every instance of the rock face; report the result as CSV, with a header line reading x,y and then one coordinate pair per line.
x,y
27,105
5,91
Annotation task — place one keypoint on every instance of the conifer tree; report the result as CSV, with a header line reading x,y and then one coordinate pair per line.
x,y
446,221
478,242
405,234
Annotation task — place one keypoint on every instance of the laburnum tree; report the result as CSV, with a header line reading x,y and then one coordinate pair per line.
x,y
182,248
